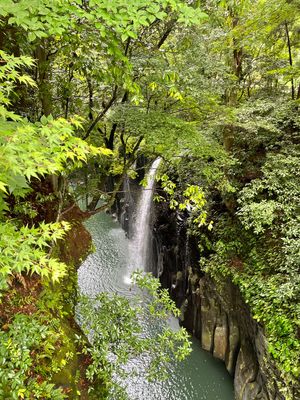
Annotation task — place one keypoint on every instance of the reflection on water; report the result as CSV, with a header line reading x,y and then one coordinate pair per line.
x,y
200,376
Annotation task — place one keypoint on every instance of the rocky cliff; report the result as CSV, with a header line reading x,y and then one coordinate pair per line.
x,y
215,312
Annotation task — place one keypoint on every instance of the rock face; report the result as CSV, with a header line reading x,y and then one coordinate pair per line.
x,y
215,313
230,334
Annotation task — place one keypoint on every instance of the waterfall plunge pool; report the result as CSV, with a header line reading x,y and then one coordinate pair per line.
x,y
200,376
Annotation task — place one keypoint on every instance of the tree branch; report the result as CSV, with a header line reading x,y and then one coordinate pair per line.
x,y
102,113
166,33
290,56
116,190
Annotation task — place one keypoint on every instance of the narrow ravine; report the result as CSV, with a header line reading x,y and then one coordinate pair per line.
x,y
200,376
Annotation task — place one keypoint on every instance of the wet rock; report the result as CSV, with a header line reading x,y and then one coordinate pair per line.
x,y
208,322
220,342
233,346
217,314
245,373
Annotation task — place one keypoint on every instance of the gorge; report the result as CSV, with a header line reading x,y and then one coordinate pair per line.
x,y
109,269
92,93
214,313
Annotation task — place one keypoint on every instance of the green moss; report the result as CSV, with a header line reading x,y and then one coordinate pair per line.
x,y
68,359
59,300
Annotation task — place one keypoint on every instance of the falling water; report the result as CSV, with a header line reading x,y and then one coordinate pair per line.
x,y
141,238
200,377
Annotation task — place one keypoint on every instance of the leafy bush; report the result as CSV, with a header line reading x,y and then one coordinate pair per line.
x,y
24,348
111,348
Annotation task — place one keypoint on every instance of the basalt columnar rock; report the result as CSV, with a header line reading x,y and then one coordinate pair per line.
x,y
215,312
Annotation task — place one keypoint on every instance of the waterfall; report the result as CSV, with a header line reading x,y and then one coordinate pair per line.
x,y
140,245
127,207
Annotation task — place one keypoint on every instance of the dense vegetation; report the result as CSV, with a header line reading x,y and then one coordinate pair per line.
x,y
90,86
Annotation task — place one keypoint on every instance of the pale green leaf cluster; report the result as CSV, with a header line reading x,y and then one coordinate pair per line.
x,y
23,250
125,18
31,151
10,75
112,348
24,348
191,199
161,304
113,22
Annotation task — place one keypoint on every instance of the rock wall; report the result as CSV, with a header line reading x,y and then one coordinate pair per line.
x,y
215,313
223,323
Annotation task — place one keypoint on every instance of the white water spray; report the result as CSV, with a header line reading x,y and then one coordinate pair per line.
x,y
140,245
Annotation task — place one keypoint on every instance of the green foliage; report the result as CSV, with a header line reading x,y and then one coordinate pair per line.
x,y
139,89
34,150
272,201
10,75
29,152
24,251
126,18
273,299
253,197
270,205
24,348
260,254
192,199
112,348
108,24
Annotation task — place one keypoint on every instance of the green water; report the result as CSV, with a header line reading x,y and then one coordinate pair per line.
x,y
200,376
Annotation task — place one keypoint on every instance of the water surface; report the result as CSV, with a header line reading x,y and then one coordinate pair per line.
x,y
200,376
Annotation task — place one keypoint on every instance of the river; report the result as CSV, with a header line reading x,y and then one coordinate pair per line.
x,y
200,376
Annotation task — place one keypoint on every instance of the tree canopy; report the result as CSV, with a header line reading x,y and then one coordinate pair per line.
x,y
91,87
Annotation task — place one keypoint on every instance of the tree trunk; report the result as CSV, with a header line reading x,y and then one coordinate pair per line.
x,y
290,56
43,78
